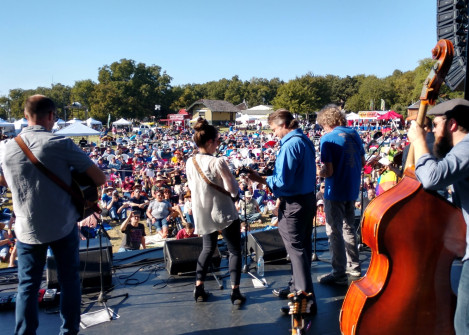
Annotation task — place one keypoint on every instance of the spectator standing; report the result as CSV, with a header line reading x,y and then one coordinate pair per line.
x,y
343,156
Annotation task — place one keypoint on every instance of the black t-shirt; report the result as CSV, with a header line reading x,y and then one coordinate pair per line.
x,y
133,237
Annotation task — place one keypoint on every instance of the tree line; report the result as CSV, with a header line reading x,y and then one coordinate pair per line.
x,y
126,89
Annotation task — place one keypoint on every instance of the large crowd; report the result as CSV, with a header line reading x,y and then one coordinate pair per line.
x,y
146,175
138,166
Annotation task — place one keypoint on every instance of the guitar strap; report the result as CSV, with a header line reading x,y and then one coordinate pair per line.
x,y
208,181
76,197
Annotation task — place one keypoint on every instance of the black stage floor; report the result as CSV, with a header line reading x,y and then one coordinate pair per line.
x,y
158,303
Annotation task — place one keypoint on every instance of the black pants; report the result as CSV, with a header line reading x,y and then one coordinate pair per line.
x,y
295,224
232,237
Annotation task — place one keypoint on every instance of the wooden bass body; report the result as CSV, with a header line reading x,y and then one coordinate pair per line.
x,y
414,236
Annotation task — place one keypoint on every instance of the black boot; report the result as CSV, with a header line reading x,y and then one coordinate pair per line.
x,y
199,292
237,296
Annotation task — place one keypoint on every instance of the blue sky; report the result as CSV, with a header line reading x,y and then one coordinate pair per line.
x,y
45,42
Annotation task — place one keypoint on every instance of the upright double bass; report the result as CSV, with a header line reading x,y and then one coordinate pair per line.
x,y
414,236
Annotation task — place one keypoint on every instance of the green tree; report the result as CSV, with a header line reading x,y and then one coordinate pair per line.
x,y
82,92
131,90
372,89
261,91
303,95
235,91
402,86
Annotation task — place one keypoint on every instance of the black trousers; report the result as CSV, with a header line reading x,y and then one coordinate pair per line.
x,y
295,225
232,237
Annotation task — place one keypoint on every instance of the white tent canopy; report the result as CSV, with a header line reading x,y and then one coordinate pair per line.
x,y
7,128
74,121
91,121
352,116
246,118
122,122
59,124
21,123
77,129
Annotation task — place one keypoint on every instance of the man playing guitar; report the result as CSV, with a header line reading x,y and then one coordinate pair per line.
x,y
45,214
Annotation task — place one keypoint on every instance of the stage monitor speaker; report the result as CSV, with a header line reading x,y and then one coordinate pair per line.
x,y
452,21
89,265
181,256
268,244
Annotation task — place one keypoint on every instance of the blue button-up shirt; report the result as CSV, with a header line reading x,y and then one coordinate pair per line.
x,y
295,167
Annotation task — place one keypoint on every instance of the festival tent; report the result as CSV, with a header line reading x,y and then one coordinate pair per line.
x,y
77,129
74,120
270,144
246,119
391,115
7,128
92,123
20,124
352,116
59,124
122,122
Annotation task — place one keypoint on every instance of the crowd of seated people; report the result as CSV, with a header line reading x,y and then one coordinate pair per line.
x,y
145,172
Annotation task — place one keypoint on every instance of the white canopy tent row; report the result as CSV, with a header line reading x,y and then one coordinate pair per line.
x,y
7,128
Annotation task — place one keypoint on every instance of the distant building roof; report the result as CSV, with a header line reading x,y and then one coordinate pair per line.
x,y
415,105
242,106
215,106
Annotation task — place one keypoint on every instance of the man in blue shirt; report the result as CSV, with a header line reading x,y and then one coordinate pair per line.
x,y
343,157
293,182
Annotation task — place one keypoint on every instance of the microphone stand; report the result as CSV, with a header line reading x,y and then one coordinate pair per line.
x,y
246,267
103,297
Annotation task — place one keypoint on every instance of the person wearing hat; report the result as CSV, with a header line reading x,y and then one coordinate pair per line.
x,y
249,208
448,165
320,214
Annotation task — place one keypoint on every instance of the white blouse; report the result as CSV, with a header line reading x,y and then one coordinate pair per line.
x,y
211,209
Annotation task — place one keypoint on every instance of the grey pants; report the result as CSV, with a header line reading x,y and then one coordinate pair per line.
x,y
341,230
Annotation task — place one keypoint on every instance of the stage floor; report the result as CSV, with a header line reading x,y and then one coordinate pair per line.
x,y
158,303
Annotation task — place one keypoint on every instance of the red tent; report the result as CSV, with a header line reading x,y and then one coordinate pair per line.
x,y
270,144
391,115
